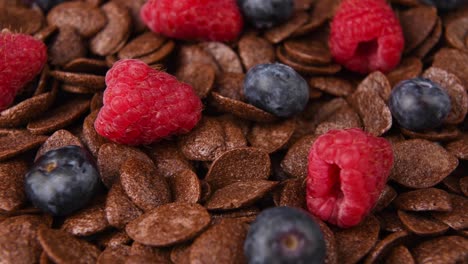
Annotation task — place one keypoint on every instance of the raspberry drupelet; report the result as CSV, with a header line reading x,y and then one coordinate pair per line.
x,y
347,171
143,105
366,36
22,58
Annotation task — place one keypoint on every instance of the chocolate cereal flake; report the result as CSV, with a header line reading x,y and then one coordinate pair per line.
x,y
458,217
431,41
18,19
140,253
59,117
389,221
400,254
255,50
181,254
304,68
44,33
88,221
134,7
169,224
386,197
168,158
293,194
60,138
456,31
459,147
238,165
200,76
408,68
373,110
422,225
116,32
226,58
239,194
332,85
221,243
464,185
143,185
188,54
64,248
144,44
12,194
29,109
271,137
66,46
230,85
114,254
308,51
417,23
82,16
90,137
453,61
283,31
354,243
119,209
207,141
110,158
296,159
240,109
16,142
185,187
18,240
384,246
430,199
447,249
376,82
441,134
86,65
80,79
421,164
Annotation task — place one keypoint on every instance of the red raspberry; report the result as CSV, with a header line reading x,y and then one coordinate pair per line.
x,y
217,20
366,36
347,171
22,58
143,105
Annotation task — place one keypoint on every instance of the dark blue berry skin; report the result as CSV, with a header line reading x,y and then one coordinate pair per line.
x,y
419,104
276,88
266,13
284,235
45,5
446,4
62,180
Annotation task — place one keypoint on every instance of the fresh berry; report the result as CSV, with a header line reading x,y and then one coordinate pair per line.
x,y
284,235
419,104
45,5
266,13
22,58
446,4
347,171
276,88
143,105
62,180
366,36
216,20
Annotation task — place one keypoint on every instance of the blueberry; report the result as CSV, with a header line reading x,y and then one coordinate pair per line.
x,y
62,180
446,4
419,104
276,88
283,235
266,13
45,5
